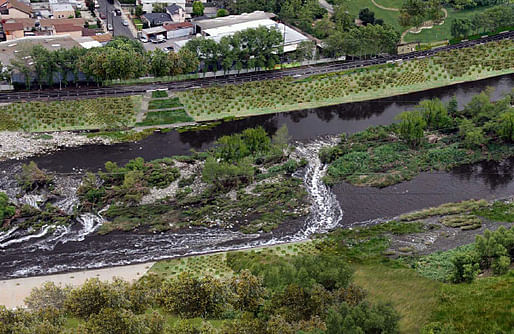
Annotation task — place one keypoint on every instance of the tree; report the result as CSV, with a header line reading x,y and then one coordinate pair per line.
x,y
460,27
435,114
248,291
305,51
367,16
411,127
47,296
323,27
453,106
6,210
506,129
93,296
159,63
159,7
222,12
198,8
23,63
192,297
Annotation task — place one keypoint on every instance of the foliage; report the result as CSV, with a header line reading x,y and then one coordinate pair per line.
x,y
32,178
271,96
411,127
98,113
6,210
198,8
378,157
480,307
48,296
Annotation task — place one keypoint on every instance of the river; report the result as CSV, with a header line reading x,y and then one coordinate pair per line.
x,y
78,248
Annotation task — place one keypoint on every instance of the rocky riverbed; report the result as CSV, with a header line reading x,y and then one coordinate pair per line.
x,y
20,145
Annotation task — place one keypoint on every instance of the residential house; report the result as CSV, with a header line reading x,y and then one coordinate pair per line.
x,y
18,28
14,9
177,13
62,10
156,19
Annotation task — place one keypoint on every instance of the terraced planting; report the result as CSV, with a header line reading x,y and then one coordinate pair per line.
x,y
165,117
164,104
373,82
218,265
100,113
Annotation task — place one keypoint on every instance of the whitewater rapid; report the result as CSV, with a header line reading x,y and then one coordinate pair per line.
x,y
57,248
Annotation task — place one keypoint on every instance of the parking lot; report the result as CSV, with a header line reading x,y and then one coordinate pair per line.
x,y
149,46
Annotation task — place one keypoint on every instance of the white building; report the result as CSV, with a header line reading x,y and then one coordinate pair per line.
x,y
229,25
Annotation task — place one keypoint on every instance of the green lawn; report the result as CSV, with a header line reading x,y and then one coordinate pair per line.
x,y
165,117
484,306
390,3
442,32
412,295
159,93
389,17
164,104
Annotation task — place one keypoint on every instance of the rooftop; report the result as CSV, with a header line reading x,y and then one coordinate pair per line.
x,y
61,7
173,8
233,19
53,22
60,28
10,48
12,26
177,26
19,6
157,18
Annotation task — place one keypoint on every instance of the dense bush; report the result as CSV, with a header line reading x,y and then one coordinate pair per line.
x,y
6,210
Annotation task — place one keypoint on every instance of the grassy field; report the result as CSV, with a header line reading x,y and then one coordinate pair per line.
x,y
159,94
413,296
86,114
216,264
373,82
442,32
388,16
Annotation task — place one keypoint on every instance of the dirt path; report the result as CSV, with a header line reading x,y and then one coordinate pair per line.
x,y
385,8
426,25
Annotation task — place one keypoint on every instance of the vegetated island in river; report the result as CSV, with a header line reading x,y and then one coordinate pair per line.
x,y
245,183
115,116
432,137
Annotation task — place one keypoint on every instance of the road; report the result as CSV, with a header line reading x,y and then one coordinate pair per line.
x,y
91,91
119,29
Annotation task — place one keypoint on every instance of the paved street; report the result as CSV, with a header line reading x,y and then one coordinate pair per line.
x,y
118,28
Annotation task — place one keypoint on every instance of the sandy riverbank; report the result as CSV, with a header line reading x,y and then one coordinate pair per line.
x,y
14,291
20,145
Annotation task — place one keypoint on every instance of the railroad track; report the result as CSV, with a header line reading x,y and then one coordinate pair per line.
x,y
92,92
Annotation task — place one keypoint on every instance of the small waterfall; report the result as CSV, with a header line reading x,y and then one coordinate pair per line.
x,y
326,211
90,222
5,235
44,231
68,204
32,200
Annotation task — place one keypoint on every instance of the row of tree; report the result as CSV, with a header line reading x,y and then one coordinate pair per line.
x,y
312,294
362,41
479,123
121,58
466,4
249,49
490,19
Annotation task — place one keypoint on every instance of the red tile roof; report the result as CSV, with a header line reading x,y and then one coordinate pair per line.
x,y
19,6
176,26
53,22
66,28
12,26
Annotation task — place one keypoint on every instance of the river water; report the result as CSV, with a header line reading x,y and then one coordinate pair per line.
x,y
77,247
